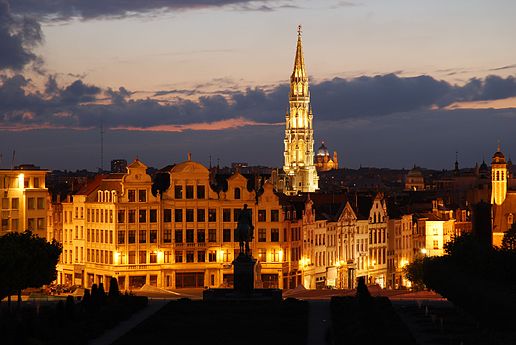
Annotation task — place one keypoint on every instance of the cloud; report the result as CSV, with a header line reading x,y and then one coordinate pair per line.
x,y
86,106
90,9
18,36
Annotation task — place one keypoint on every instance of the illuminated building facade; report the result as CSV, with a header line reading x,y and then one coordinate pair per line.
x,y
24,200
400,249
414,180
323,160
301,175
185,237
503,199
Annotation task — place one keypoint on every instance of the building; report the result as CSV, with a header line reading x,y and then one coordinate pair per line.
x,y
182,238
503,198
415,180
24,200
400,248
299,168
323,160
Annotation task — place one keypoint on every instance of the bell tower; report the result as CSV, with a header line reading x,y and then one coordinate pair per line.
x,y
299,134
498,178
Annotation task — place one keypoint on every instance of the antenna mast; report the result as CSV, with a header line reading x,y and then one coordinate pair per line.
x,y
101,145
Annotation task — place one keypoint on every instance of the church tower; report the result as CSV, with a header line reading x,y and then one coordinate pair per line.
x,y
498,178
299,134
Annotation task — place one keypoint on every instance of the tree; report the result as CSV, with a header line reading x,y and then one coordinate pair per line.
x,y
509,239
26,260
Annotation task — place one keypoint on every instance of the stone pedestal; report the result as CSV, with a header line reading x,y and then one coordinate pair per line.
x,y
243,278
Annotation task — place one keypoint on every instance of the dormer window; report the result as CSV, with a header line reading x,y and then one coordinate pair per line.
x,y
237,193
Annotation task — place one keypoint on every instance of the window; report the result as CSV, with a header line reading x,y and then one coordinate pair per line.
x,y
30,204
212,215
236,214
178,192
120,216
131,216
41,223
189,192
153,258
5,203
226,215
143,257
226,235
5,223
36,182
121,237
41,203
189,256
274,215
110,215
167,236
179,256
179,236
132,236
15,203
142,195
167,215
212,256
200,236
131,195
153,236
436,244
153,216
201,256
237,193
201,192
236,238
132,257
142,216
262,215
262,254
166,257
201,215
178,215
262,235
143,236
274,235
275,254
189,236
14,224
212,235
32,223
189,215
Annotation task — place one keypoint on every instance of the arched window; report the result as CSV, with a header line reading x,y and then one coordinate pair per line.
x,y
237,193
497,176
106,196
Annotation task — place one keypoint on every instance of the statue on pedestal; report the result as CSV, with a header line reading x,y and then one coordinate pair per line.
x,y
245,230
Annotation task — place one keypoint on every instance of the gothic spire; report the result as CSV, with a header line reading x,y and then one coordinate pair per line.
x,y
299,71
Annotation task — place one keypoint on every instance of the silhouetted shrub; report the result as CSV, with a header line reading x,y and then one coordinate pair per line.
x,y
363,295
70,307
113,288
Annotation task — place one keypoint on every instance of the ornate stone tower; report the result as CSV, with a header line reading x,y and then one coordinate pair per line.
x,y
498,178
299,134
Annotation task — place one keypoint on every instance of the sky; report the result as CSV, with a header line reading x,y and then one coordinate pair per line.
x,y
393,83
